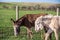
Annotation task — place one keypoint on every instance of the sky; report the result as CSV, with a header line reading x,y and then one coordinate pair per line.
x,y
46,1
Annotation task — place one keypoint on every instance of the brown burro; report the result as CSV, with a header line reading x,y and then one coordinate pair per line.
x,y
27,21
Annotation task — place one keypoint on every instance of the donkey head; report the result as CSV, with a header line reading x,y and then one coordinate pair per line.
x,y
38,24
15,27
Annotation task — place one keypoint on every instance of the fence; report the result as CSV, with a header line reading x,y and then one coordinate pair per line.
x,y
6,33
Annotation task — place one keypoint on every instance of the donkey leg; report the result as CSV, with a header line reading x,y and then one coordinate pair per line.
x,y
50,37
29,32
28,36
56,34
46,29
48,34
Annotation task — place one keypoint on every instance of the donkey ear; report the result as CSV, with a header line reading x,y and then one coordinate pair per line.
x,y
12,20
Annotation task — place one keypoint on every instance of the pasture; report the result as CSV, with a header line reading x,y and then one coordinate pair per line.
x,y
6,27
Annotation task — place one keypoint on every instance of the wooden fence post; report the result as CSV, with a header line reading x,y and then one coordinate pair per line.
x,y
57,11
17,12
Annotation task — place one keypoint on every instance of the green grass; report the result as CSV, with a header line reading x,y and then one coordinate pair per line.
x,y
6,27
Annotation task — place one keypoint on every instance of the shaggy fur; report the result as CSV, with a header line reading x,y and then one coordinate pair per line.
x,y
52,23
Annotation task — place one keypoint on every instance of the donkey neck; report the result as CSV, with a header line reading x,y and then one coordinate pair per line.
x,y
20,21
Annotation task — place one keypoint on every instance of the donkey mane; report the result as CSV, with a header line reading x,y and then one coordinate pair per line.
x,y
20,19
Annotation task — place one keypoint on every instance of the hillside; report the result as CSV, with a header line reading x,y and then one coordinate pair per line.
x,y
31,4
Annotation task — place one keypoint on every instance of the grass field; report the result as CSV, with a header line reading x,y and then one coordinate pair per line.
x,y
6,27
